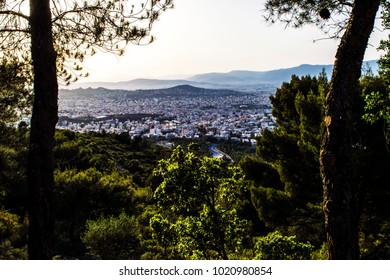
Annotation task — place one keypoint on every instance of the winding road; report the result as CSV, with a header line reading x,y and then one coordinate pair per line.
x,y
215,153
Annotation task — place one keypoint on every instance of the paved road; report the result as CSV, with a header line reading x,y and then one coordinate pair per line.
x,y
215,153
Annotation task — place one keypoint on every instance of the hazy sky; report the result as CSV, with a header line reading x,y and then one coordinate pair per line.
x,y
200,36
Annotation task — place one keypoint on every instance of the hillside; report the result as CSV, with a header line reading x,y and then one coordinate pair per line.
x,y
180,90
269,77
237,79
141,84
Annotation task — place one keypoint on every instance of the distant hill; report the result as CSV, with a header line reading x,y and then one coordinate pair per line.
x,y
233,80
142,84
255,77
180,90
273,76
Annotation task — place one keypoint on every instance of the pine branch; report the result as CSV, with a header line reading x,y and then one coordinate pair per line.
x,y
13,13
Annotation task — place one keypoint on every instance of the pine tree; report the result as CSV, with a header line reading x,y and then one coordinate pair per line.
x,y
356,19
287,192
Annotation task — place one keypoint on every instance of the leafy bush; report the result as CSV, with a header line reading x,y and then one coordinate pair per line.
x,y
275,246
13,237
198,202
113,238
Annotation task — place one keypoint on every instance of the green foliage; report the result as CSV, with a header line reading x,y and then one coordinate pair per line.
x,y
275,246
376,94
377,100
15,91
105,153
198,201
13,187
378,106
92,190
112,238
375,246
288,190
95,178
90,194
13,237
374,235
261,172
272,205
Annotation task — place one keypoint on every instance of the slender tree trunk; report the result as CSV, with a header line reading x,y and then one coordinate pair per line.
x,y
44,119
341,218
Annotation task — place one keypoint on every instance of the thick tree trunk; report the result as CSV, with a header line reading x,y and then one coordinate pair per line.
x,y
341,218
44,119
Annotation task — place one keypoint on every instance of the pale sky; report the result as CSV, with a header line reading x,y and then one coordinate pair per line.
x,y
201,36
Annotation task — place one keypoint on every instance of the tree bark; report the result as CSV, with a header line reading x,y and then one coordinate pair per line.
x,y
43,121
341,217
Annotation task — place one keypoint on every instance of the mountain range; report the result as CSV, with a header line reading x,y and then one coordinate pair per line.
x,y
237,79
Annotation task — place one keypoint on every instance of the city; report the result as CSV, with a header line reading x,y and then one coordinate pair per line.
x,y
178,112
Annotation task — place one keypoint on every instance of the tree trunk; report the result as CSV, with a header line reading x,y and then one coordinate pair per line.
x,y
43,121
341,218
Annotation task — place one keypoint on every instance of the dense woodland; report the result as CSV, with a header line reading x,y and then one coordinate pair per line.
x,y
122,198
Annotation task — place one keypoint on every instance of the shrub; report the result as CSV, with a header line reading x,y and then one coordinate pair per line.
x,y
275,246
113,238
